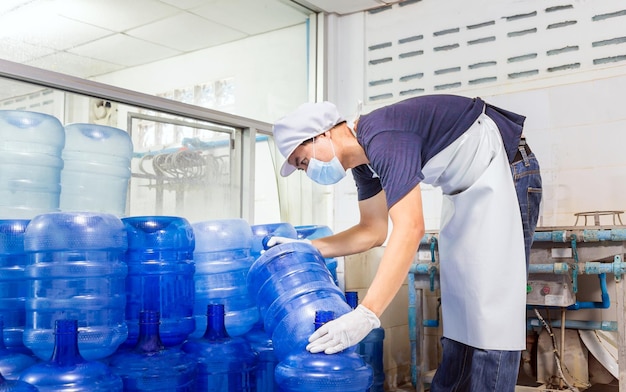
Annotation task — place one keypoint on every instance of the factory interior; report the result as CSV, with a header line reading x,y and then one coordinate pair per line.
x,y
198,84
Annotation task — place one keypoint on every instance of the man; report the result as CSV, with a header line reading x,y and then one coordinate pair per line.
x,y
467,148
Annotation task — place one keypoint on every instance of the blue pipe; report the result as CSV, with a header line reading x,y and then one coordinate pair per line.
x,y
550,236
616,268
532,323
428,238
585,235
421,268
553,268
604,304
590,268
412,331
604,235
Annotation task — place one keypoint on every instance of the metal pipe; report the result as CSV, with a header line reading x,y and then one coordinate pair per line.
x,y
416,335
604,304
532,323
562,348
550,236
413,325
588,268
431,323
422,268
428,238
617,268
584,235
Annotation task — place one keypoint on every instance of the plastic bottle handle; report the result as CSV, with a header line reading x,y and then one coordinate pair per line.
x,y
265,240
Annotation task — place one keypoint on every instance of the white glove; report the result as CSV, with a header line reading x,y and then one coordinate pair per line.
x,y
346,331
273,241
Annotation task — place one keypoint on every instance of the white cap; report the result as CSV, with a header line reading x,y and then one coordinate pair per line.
x,y
304,123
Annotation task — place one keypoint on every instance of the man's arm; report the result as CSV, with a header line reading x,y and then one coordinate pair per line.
x,y
352,327
371,231
408,229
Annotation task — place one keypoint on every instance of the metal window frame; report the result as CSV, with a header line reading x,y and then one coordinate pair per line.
x,y
245,133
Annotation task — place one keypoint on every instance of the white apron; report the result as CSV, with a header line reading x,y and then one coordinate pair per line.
x,y
481,242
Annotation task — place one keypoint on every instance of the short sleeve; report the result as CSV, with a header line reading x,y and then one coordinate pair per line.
x,y
367,185
397,158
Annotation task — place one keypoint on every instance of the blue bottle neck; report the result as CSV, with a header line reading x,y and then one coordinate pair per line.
x,y
215,327
149,340
66,344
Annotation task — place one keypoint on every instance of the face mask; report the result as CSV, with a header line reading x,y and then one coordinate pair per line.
x,y
325,173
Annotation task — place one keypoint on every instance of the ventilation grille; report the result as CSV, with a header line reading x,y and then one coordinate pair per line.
x,y
39,101
433,47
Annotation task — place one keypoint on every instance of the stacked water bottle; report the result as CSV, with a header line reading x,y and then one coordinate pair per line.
x,y
147,303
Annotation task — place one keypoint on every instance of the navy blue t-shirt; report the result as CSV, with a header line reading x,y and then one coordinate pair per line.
x,y
401,138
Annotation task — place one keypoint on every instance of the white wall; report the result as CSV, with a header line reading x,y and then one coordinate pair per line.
x,y
269,71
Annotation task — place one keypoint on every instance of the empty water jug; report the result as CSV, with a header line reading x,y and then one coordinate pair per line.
x,y
30,163
261,343
67,370
160,275
306,372
261,233
76,269
290,283
12,280
371,348
150,366
12,363
311,232
225,364
222,258
97,169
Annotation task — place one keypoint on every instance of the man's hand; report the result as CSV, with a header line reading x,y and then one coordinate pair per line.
x,y
268,241
341,333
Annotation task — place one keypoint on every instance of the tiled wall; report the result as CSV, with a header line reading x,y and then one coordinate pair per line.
x,y
425,47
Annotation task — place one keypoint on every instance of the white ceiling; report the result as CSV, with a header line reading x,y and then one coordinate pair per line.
x,y
87,38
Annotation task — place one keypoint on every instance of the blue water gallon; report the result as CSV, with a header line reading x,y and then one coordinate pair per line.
x,y
150,366
97,169
30,163
290,283
225,364
67,370
311,232
222,257
15,386
12,362
306,372
371,348
264,231
12,280
261,343
160,275
76,270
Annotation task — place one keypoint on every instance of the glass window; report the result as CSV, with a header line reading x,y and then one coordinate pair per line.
x,y
252,62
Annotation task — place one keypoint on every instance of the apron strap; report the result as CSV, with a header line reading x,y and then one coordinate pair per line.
x,y
522,150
